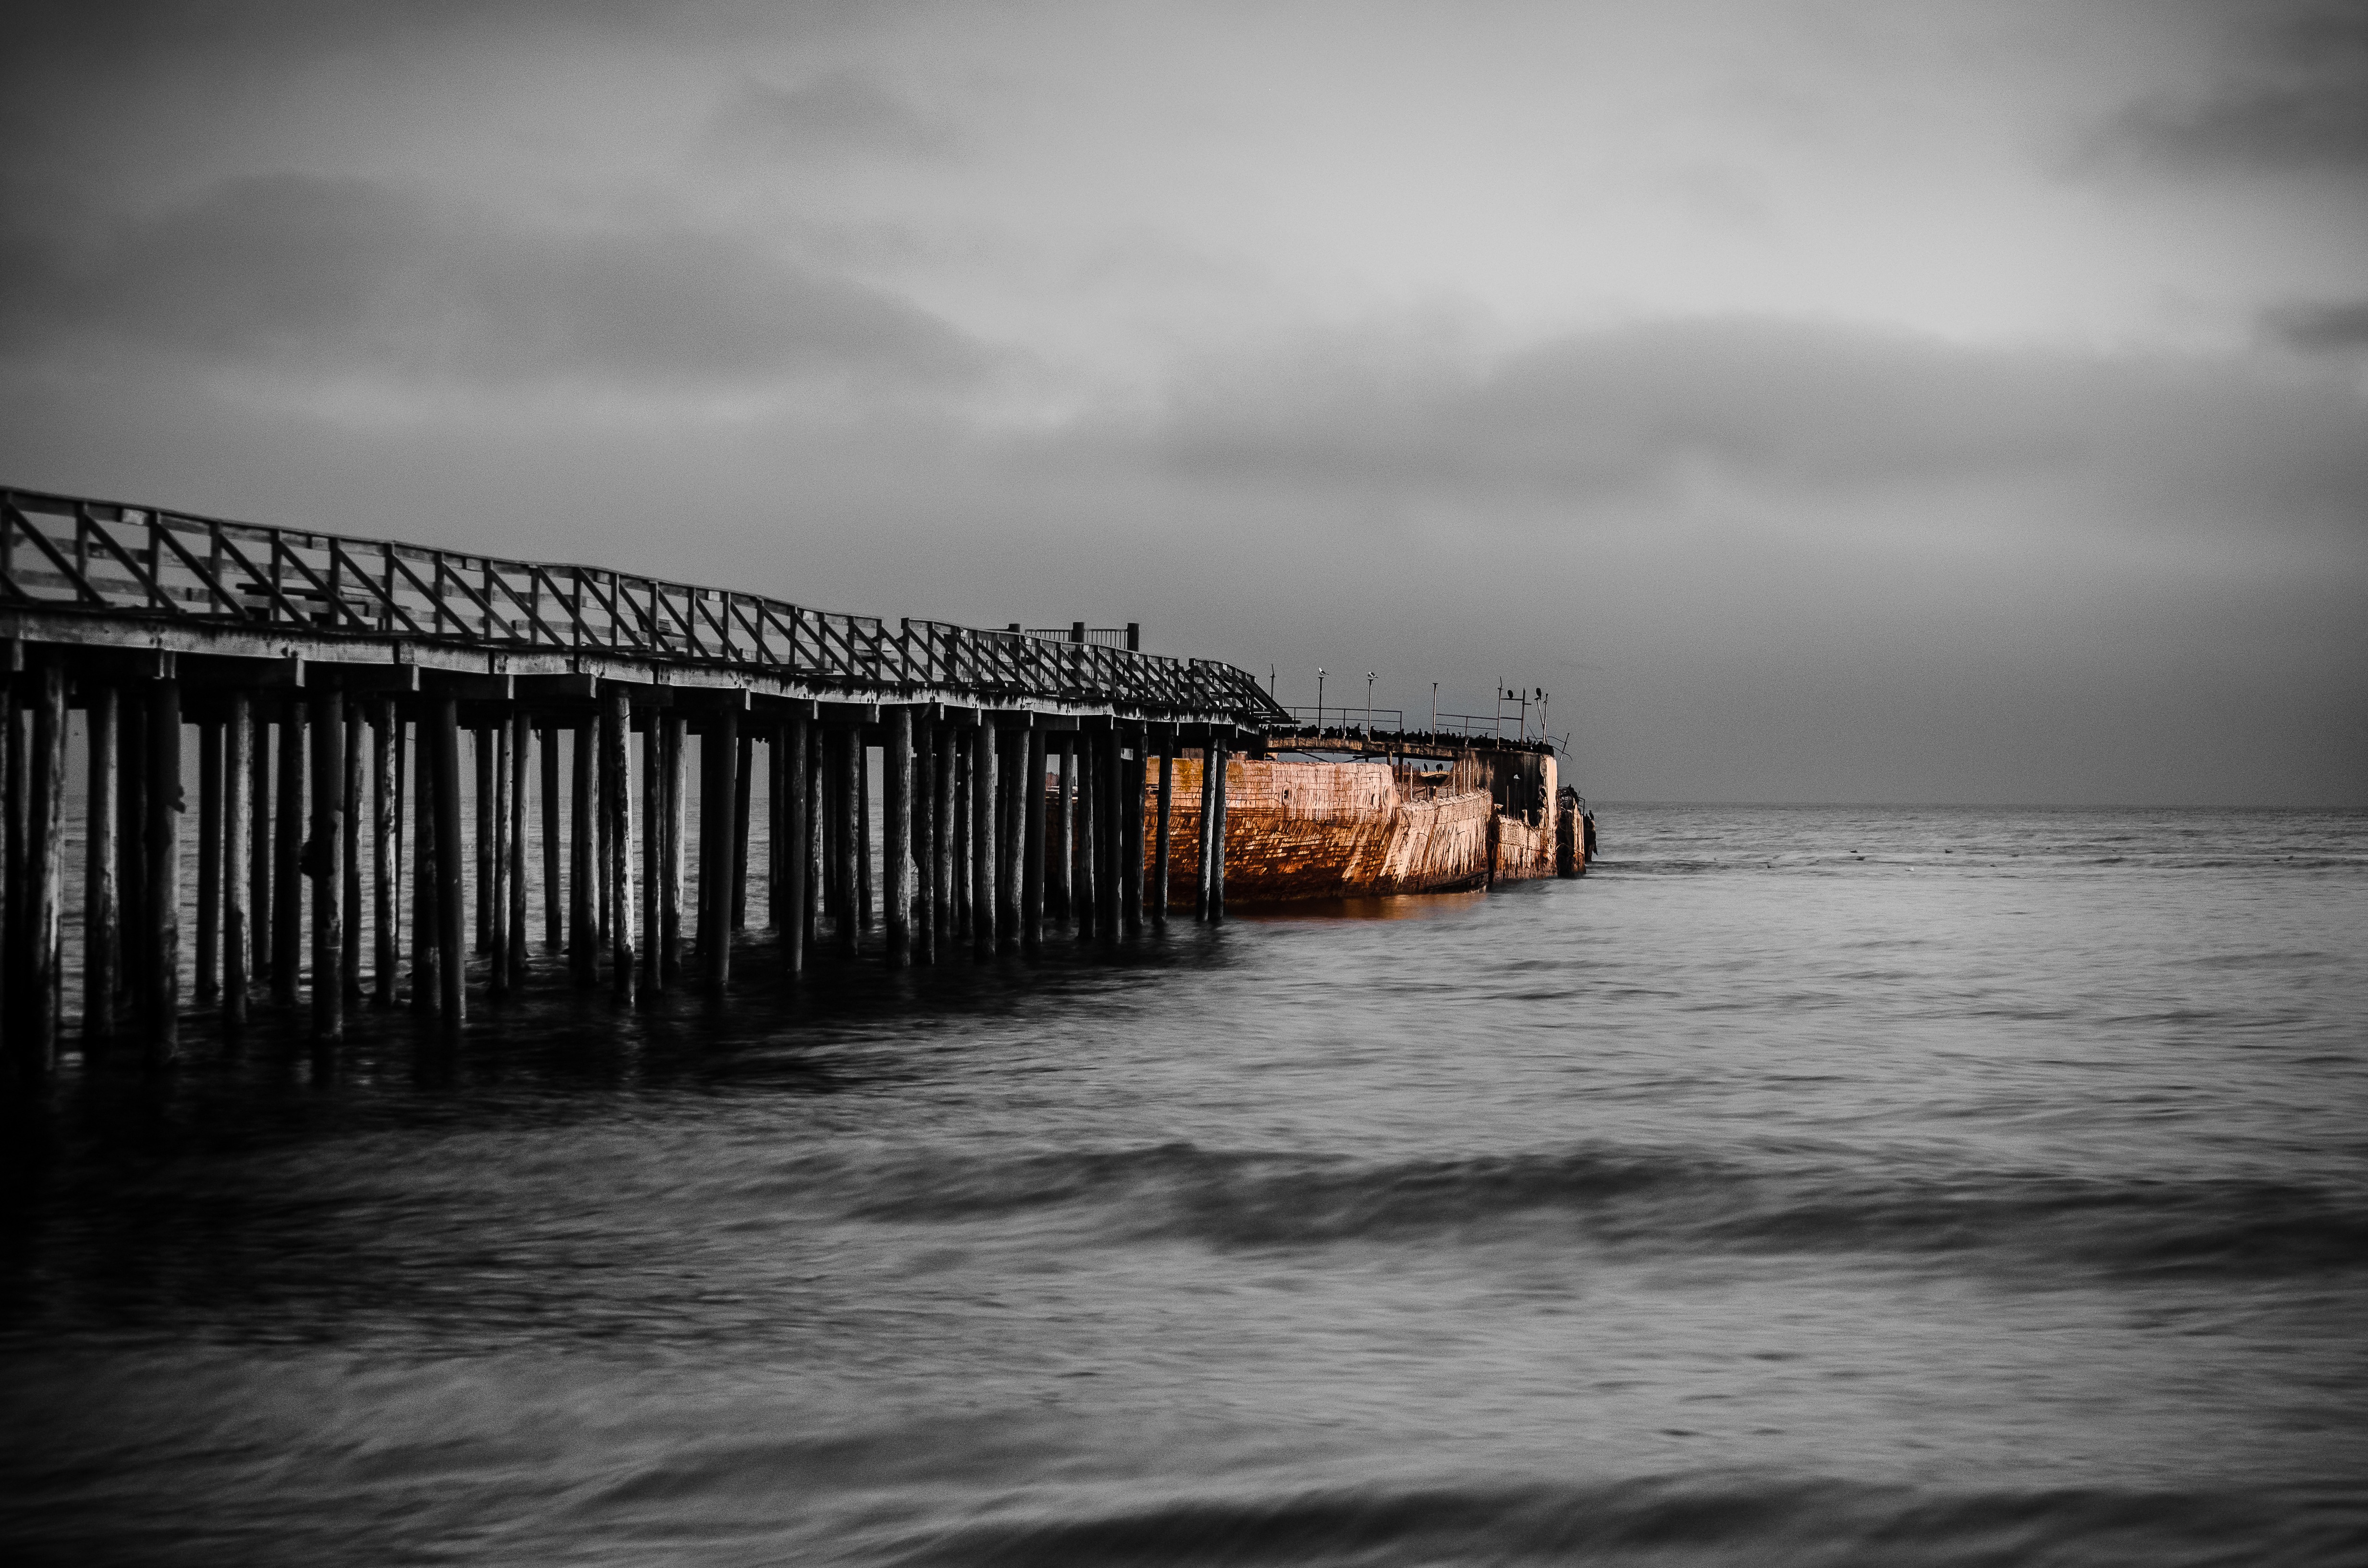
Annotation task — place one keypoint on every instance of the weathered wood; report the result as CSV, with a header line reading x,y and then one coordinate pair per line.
x,y
1158,897
102,930
486,820
1131,841
451,889
845,827
776,897
1009,838
985,798
958,860
896,806
261,881
160,1018
925,839
1204,863
716,818
351,852
945,927
210,861
1064,836
790,920
654,851
583,949
1217,842
426,886
1031,845
238,826
676,869
42,900
744,791
1084,857
325,856
16,790
131,844
809,918
554,881
514,843
625,922
861,785
386,849
287,860
1109,836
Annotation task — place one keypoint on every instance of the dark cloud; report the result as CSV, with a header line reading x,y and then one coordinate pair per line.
x,y
2321,328
355,277
2289,94
1799,409
832,114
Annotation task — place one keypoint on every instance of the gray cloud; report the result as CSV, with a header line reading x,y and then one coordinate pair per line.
x,y
292,272
2290,94
834,114
1801,409
2322,326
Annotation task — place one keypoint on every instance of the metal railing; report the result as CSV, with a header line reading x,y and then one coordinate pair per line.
x,y
1354,718
62,552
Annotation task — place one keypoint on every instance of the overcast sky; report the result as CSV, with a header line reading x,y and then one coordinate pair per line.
x,y
1831,401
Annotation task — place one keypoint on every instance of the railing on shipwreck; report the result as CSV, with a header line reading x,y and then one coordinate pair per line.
x,y
147,620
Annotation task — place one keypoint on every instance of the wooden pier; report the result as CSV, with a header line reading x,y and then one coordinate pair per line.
x,y
368,717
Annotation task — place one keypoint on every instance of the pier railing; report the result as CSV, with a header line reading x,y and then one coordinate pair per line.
x,y
1354,720
62,552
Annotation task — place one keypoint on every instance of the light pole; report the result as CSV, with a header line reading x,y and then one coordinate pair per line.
x,y
1369,709
1319,700
1434,707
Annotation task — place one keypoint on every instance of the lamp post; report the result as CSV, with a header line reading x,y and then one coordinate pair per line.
x,y
1369,709
1434,707
1319,700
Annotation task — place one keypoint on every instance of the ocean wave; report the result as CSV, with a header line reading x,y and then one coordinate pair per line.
x,y
1672,1521
1645,1200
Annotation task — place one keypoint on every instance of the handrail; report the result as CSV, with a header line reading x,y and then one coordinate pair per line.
x,y
72,553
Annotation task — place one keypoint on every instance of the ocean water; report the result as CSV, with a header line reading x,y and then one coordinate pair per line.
x,y
1806,1185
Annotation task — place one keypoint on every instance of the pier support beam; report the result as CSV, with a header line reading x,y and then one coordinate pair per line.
x,y
350,851
161,1019
923,841
1131,835
1204,872
426,888
1010,762
1031,845
744,793
945,929
261,881
325,859
862,784
513,845
210,861
288,859
554,844
583,952
796,811
1064,834
654,851
238,931
102,924
39,907
848,789
675,867
618,794
895,846
716,816
487,820
983,801
1217,843
386,850
1159,846
958,857
451,891
1109,836
812,846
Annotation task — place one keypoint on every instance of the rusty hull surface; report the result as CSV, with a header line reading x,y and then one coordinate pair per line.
x,y
1318,830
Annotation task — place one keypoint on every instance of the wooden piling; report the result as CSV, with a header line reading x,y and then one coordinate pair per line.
x,y
261,883
1208,822
130,843
944,928
351,853
1109,836
604,886
1159,846
1031,845
845,826
1083,855
451,931
287,860
15,787
210,861
162,1016
1130,837
102,933
1064,834
811,846
554,881
984,799
583,954
716,816
744,793
514,843
1011,761
325,854
897,807
386,849
957,858
776,897
923,841
41,902
674,870
625,920
861,785
426,886
654,851
238,932
486,820
1217,844
789,919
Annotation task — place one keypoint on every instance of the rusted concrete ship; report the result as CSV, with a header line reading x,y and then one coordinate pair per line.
x,y
1299,829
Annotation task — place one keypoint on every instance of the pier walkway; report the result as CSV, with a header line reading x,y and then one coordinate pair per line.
x,y
335,685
